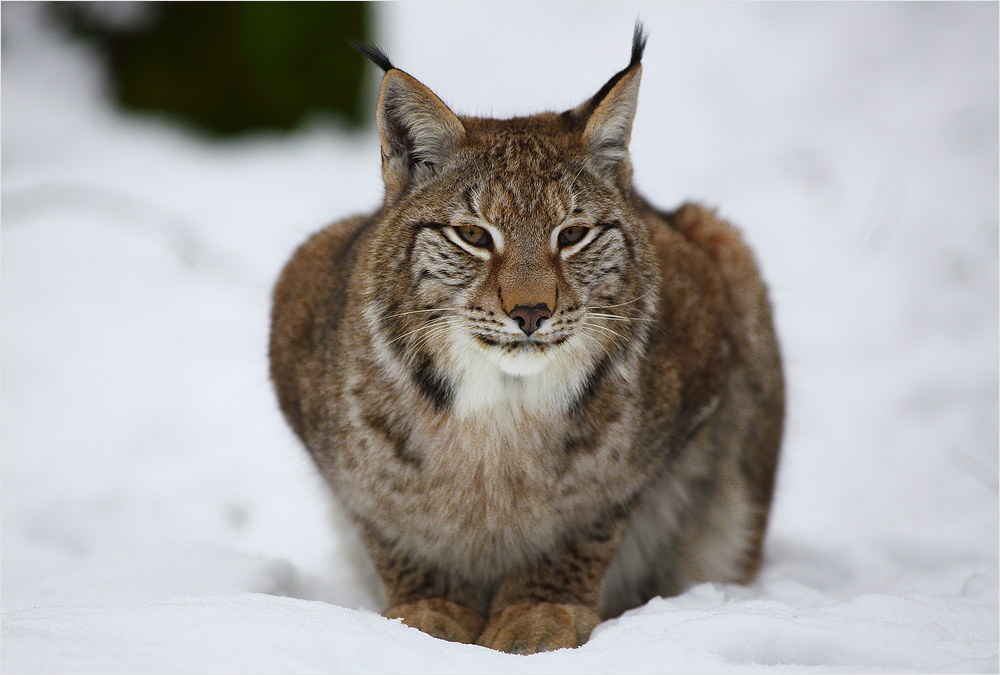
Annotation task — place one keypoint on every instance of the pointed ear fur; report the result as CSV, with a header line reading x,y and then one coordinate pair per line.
x,y
607,116
609,126
417,130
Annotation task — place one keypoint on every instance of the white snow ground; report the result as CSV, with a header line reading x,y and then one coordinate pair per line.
x,y
157,516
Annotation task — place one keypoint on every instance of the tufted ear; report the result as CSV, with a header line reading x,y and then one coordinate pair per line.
x,y
609,127
418,131
610,112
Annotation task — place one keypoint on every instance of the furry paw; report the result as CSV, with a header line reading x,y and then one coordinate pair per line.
x,y
440,618
526,628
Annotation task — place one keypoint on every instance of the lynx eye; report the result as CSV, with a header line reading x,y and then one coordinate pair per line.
x,y
571,235
476,236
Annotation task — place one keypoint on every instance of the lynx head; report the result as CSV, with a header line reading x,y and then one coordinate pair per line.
x,y
512,245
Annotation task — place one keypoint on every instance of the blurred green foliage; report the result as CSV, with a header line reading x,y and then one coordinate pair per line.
x,y
230,67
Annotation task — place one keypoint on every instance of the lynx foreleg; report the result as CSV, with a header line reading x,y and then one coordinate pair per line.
x,y
556,603
423,597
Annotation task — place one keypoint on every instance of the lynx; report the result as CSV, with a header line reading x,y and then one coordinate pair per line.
x,y
540,400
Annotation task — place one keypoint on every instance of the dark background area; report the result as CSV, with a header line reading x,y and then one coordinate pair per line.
x,y
225,68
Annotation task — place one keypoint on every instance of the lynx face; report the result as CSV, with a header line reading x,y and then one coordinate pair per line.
x,y
531,277
509,244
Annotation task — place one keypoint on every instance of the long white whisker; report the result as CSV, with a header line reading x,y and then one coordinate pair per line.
x,y
583,167
448,321
621,304
419,311
597,342
606,330
614,317
433,333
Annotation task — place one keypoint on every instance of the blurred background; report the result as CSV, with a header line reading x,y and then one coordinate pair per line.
x,y
227,67
161,161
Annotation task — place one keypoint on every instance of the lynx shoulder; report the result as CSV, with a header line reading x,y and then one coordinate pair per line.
x,y
539,399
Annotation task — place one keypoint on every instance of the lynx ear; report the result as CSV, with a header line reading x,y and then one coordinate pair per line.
x,y
609,127
611,111
418,131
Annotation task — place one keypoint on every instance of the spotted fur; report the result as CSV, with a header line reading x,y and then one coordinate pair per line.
x,y
514,484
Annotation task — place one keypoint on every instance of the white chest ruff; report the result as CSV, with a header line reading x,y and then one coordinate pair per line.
x,y
492,384
491,491
491,476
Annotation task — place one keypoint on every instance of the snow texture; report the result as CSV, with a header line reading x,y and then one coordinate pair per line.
x,y
158,516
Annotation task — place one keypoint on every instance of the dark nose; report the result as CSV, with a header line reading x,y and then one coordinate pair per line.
x,y
529,318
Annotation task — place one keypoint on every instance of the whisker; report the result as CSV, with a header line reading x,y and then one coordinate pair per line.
x,y
578,174
606,331
615,317
433,324
414,348
621,304
432,333
419,311
602,344
654,324
604,328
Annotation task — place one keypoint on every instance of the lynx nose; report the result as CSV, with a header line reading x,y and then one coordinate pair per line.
x,y
529,318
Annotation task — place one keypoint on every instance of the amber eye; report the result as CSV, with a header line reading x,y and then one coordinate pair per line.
x,y
474,235
571,235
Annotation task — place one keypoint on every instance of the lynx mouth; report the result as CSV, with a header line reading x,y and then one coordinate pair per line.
x,y
521,345
521,356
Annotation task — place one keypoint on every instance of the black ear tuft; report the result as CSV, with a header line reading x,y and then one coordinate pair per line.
x,y
375,55
607,117
639,38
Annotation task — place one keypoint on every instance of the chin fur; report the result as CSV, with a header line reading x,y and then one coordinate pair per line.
x,y
520,361
498,379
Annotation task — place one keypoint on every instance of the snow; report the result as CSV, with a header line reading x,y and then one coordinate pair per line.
x,y
157,515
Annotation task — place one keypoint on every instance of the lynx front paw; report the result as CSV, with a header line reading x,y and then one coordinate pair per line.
x,y
440,618
526,628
